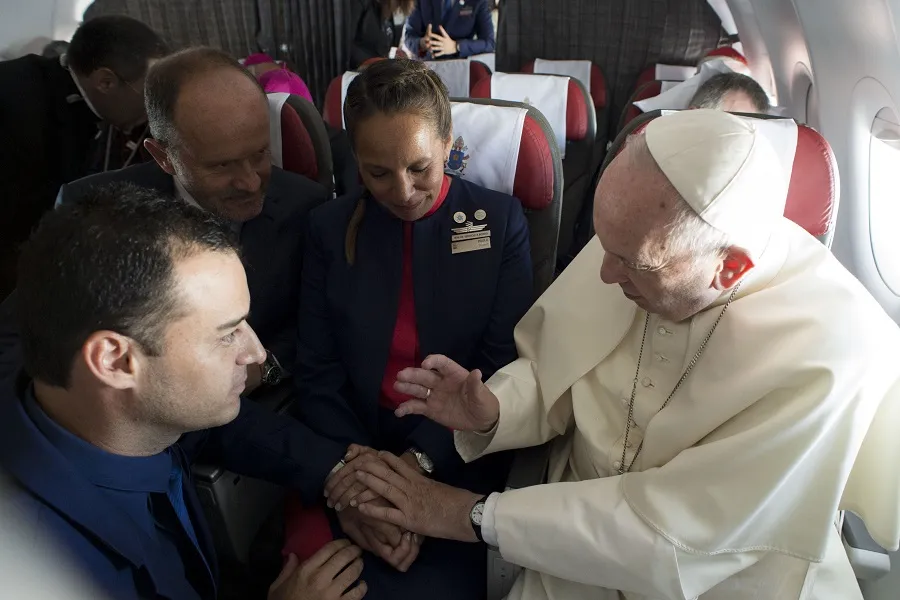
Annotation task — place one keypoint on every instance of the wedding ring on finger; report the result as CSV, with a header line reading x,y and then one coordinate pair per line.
x,y
427,393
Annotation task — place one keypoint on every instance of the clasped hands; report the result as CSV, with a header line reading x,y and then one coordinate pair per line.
x,y
346,494
440,44
385,503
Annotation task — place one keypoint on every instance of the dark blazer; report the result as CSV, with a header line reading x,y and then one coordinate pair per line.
x,y
467,305
370,35
272,246
48,135
101,537
464,21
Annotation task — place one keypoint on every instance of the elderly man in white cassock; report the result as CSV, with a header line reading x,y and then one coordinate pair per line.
x,y
708,373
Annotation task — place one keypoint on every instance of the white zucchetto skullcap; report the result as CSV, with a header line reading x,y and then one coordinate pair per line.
x,y
725,168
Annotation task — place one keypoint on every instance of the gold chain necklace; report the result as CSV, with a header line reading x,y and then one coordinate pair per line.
x,y
622,467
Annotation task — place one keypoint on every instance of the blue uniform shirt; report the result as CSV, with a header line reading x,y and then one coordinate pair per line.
x,y
140,486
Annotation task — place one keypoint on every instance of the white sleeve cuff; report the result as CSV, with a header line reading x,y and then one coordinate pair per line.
x,y
488,527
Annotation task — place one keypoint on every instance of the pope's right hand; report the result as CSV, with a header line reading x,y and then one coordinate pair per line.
x,y
448,394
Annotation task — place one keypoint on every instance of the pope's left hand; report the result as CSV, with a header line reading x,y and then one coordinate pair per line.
x,y
441,44
420,504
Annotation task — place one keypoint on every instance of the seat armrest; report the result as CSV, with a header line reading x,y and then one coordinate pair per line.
x,y
237,506
869,560
529,467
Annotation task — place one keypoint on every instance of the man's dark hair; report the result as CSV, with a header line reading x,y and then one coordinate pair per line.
x,y
165,80
714,89
106,262
121,44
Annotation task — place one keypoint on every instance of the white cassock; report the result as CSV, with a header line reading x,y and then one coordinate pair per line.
x,y
736,489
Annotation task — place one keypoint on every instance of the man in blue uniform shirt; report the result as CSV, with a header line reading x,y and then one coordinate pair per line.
x,y
136,347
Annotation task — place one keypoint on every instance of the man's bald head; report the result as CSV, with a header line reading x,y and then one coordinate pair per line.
x,y
684,209
206,80
210,123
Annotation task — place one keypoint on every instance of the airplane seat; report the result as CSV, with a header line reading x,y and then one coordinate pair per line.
x,y
510,147
663,72
299,140
591,77
235,506
814,192
478,72
726,52
576,139
333,110
647,90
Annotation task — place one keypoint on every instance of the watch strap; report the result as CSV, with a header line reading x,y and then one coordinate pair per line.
x,y
476,527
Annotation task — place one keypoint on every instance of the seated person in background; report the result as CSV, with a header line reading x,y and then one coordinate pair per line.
x,y
439,29
58,118
731,92
384,285
210,124
274,77
375,27
136,341
708,371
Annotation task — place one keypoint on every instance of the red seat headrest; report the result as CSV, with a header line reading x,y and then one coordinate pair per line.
x,y
727,52
478,72
332,112
533,185
599,93
576,108
298,154
813,193
648,90
646,76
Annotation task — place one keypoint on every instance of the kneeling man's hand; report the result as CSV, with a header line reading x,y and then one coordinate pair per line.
x,y
383,539
329,574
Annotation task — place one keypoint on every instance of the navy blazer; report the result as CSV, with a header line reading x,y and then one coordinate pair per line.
x,y
467,305
271,244
465,20
101,538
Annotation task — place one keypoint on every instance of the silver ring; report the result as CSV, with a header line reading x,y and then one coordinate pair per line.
x,y
427,393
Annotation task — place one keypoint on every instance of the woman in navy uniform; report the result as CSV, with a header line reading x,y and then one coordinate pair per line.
x,y
439,29
419,263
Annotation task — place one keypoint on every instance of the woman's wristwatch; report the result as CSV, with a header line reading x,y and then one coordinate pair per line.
x,y
422,459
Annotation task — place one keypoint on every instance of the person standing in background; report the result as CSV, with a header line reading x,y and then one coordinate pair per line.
x,y
440,29
375,28
60,117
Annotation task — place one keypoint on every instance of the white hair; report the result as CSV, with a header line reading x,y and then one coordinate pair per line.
x,y
686,233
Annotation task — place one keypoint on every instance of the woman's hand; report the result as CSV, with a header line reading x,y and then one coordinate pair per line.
x,y
441,44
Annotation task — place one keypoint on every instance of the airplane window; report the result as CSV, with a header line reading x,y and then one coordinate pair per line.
x,y
884,202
